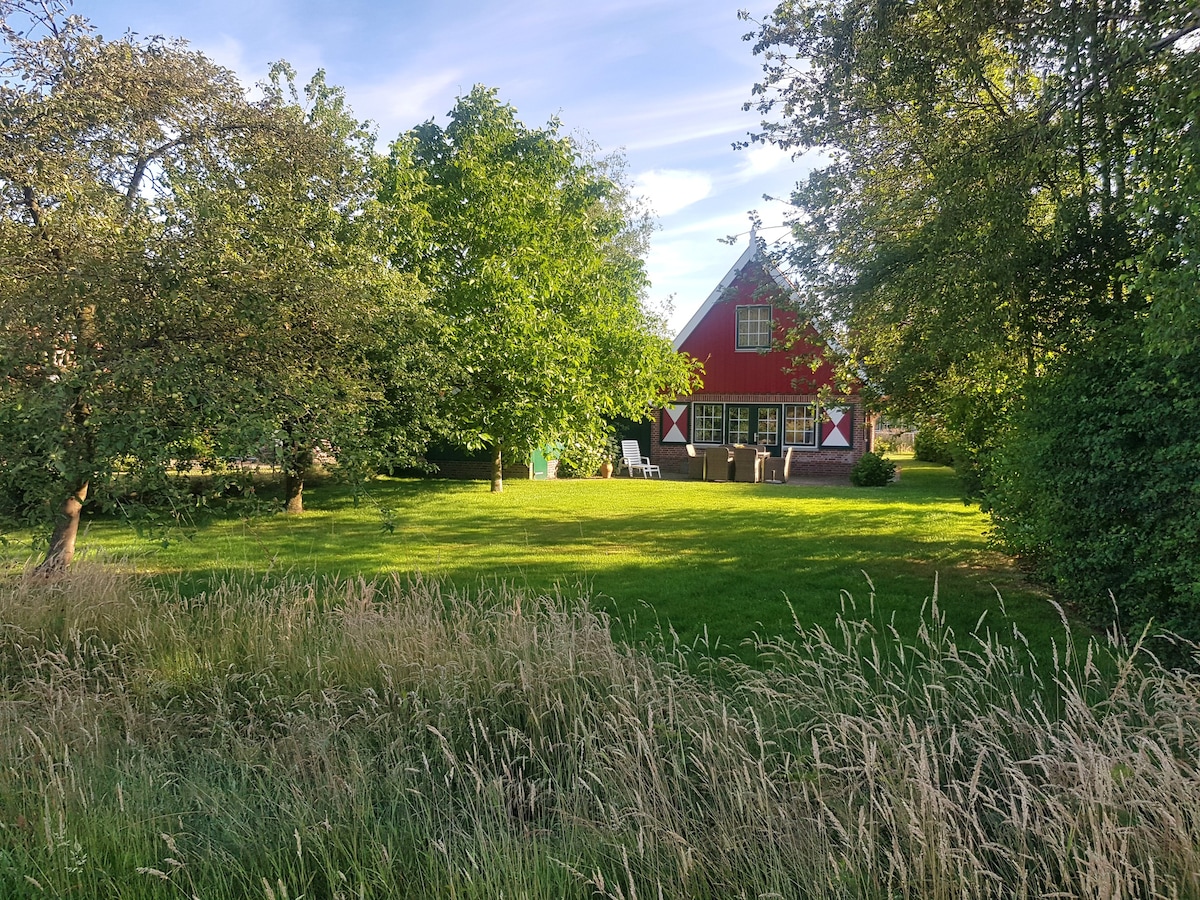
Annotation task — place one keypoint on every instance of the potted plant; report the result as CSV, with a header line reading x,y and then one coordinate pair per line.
x,y
611,454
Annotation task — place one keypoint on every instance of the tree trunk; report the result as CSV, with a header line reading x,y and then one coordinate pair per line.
x,y
297,461
293,490
62,542
497,471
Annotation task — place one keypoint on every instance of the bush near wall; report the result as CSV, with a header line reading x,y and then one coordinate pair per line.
x,y
872,470
933,444
1098,485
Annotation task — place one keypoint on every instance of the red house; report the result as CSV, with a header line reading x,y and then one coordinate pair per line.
x,y
754,392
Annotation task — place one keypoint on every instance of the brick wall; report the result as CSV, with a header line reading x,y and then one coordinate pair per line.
x,y
834,461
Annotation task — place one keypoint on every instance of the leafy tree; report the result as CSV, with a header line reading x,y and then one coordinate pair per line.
x,y
173,260
1011,184
978,216
532,250
337,349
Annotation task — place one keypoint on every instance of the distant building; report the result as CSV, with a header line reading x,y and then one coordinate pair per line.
x,y
754,392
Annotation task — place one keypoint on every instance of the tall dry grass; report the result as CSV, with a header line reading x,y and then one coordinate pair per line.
x,y
333,738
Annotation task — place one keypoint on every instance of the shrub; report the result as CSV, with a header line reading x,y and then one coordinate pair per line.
x,y
582,455
1098,485
932,444
886,445
872,470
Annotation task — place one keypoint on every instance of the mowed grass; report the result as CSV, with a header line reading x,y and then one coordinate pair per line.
x,y
714,562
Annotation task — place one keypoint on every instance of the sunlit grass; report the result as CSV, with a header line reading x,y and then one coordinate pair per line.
x,y
725,560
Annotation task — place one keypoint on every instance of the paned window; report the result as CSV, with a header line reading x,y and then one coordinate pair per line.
x,y
800,425
739,424
753,327
768,425
707,423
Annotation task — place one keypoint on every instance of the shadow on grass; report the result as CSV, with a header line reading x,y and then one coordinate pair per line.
x,y
724,560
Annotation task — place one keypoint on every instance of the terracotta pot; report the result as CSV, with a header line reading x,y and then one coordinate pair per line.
x,y
606,469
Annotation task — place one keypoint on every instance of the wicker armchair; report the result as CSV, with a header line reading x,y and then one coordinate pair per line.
x,y
747,465
778,469
716,464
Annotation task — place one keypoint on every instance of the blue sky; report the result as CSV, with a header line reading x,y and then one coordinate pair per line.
x,y
661,80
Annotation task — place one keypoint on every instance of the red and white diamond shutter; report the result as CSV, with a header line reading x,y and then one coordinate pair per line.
x,y
675,423
835,426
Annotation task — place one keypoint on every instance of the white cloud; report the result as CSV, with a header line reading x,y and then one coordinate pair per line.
x,y
667,120
762,159
670,190
401,102
229,52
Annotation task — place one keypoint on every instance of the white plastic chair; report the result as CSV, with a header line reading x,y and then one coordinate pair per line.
x,y
632,459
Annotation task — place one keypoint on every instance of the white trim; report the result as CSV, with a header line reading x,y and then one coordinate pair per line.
x,y
750,253
781,281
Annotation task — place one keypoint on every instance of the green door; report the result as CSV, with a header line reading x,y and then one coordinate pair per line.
x,y
753,424
538,467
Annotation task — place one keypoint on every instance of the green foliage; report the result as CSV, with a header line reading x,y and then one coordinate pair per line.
x,y
177,261
932,444
872,470
336,350
583,455
326,737
100,370
532,250
1099,483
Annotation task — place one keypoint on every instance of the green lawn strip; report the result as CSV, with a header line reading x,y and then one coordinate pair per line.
x,y
722,560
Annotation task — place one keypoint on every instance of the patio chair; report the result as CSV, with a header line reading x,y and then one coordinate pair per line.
x,y
632,459
777,470
695,463
747,464
716,464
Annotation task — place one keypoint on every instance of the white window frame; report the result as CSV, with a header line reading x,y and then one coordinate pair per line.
x,y
706,415
753,330
812,425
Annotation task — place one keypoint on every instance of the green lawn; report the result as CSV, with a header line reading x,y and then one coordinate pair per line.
x,y
290,734
726,558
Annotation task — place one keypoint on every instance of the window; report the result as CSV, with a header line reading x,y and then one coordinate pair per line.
x,y
768,425
739,424
800,425
753,327
707,422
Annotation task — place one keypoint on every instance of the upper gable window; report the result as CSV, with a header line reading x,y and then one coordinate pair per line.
x,y
753,327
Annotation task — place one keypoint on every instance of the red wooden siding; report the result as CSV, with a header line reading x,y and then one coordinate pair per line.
x,y
732,371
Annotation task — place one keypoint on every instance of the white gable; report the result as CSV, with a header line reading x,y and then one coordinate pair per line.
x,y
750,253
777,276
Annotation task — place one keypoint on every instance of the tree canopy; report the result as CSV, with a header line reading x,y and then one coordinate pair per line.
x,y
187,274
1010,186
179,261
532,250
986,202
